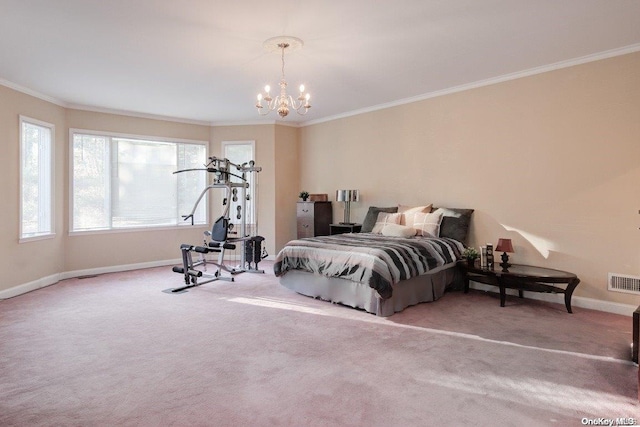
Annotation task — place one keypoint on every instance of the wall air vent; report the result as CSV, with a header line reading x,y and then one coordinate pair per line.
x,y
624,283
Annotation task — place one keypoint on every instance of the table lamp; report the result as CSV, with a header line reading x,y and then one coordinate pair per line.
x,y
504,246
347,196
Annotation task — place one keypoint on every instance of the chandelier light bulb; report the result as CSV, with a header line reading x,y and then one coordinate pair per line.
x,y
301,88
267,88
259,97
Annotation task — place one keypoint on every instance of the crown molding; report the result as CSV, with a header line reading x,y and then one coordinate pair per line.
x,y
82,107
487,82
256,123
136,114
289,124
31,92
244,123
480,83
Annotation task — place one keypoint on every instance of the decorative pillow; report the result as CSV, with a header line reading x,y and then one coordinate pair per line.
x,y
397,230
409,212
455,223
385,218
372,216
428,224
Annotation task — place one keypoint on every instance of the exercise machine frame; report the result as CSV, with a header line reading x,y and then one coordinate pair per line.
x,y
217,240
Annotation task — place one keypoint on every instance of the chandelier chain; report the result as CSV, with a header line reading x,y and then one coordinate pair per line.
x,y
283,46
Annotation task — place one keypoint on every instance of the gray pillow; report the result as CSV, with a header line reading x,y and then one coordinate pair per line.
x,y
455,223
372,216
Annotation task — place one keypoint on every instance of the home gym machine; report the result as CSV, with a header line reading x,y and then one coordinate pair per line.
x,y
222,236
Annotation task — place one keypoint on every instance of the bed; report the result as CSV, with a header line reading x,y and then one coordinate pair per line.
x,y
379,271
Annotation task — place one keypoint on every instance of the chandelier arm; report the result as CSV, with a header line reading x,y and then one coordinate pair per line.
x,y
291,102
306,109
299,105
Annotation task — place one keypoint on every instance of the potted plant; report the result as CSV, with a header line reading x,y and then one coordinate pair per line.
x,y
470,254
304,195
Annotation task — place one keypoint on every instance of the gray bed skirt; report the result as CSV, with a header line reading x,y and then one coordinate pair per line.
x,y
426,288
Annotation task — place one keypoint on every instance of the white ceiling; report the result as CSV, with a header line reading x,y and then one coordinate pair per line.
x,y
204,61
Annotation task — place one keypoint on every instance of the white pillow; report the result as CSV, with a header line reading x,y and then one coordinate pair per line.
x,y
397,230
385,218
427,224
409,212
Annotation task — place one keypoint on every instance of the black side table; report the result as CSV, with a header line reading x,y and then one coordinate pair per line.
x,y
344,228
523,278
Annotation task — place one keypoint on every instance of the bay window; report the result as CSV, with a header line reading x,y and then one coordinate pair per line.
x,y
126,182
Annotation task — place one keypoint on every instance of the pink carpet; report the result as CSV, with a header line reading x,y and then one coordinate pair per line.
x,y
115,350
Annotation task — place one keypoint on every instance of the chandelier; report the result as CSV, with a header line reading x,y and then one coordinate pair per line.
x,y
283,103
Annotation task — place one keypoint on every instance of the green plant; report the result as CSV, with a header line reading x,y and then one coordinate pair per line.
x,y
304,195
470,252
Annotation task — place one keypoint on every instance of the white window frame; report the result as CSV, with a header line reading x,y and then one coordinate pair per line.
x,y
52,129
252,188
110,230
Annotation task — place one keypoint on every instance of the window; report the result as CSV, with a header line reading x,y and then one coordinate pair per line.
x,y
124,182
240,152
36,179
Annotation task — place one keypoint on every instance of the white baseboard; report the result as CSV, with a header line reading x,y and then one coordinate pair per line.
x,y
31,286
117,268
55,278
576,301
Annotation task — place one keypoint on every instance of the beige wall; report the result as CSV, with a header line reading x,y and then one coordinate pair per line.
x,y
28,261
551,161
287,188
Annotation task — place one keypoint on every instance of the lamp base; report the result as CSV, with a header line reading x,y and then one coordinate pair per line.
x,y
505,261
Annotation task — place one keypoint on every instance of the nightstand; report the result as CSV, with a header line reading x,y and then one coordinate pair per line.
x,y
344,228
